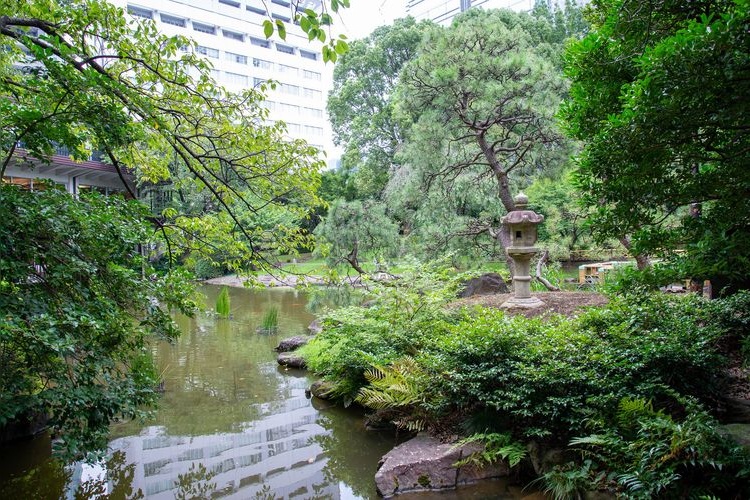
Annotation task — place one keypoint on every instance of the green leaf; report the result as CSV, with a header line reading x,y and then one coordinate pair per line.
x,y
267,28
281,29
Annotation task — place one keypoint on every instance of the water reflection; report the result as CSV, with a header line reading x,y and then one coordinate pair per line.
x,y
231,424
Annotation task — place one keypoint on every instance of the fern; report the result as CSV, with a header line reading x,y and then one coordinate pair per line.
x,y
392,387
496,447
396,388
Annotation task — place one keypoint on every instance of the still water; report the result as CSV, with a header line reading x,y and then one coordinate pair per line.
x,y
231,424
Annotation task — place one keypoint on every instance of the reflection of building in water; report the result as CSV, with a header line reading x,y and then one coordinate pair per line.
x,y
276,452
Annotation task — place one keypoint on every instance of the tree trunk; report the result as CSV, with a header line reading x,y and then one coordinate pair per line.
x,y
642,260
353,260
543,260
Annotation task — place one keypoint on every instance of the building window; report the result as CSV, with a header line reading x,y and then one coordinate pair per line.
x,y
286,88
285,49
262,63
308,55
311,75
286,19
257,10
231,3
288,108
270,105
140,12
293,128
283,68
174,21
259,42
315,113
207,51
316,131
312,93
235,78
204,28
234,36
237,58
258,81
283,3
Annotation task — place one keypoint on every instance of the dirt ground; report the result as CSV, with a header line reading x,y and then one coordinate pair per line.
x,y
567,303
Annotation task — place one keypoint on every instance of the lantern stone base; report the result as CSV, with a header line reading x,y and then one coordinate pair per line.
x,y
523,303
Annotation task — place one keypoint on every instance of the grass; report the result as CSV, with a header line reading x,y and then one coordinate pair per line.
x,y
270,321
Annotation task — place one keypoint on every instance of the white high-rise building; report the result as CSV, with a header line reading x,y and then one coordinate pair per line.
x,y
443,11
229,33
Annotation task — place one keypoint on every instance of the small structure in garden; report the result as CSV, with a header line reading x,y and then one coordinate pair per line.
x,y
522,227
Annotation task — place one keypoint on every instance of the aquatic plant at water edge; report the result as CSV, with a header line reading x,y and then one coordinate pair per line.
x,y
270,321
223,303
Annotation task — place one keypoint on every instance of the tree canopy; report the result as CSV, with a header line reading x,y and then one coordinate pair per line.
x,y
482,93
659,95
83,75
78,298
361,105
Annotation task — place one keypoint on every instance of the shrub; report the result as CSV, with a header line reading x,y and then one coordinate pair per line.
x,y
405,315
646,452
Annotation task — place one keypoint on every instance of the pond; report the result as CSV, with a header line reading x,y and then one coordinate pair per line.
x,y
231,424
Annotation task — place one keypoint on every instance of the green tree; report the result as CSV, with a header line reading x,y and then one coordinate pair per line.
x,y
77,300
483,93
659,95
83,75
361,105
355,230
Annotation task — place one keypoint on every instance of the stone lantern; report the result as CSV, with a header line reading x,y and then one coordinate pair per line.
x,y
521,225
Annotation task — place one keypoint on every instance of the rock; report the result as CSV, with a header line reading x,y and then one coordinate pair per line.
x,y
469,474
321,389
291,344
738,432
486,284
424,463
738,411
544,460
290,360
315,327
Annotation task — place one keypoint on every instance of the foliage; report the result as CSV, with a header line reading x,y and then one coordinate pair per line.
x,y
628,280
195,483
223,307
495,447
403,317
482,95
565,22
658,95
396,387
564,231
270,321
647,453
84,75
76,304
353,230
361,104
314,24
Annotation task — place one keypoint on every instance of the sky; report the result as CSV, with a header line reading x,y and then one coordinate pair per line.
x,y
363,16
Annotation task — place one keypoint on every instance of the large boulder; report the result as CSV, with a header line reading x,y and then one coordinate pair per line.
x,y
291,344
290,360
315,327
321,389
424,463
486,284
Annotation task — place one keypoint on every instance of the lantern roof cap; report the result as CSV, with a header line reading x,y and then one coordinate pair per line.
x,y
521,215
521,201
